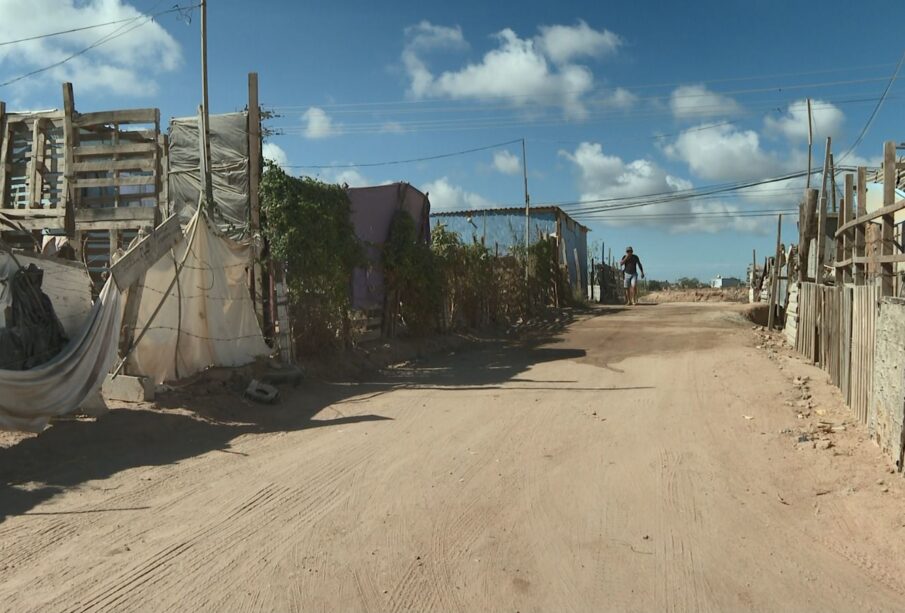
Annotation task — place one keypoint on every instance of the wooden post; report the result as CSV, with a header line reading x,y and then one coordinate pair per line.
x,y
255,164
34,174
591,283
774,280
821,216
4,134
833,182
846,216
67,201
859,229
807,232
810,143
888,229
755,295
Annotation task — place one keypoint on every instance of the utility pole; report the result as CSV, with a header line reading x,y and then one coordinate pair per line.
x,y
205,129
527,210
810,142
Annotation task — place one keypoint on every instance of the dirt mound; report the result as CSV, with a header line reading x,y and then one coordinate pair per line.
x,y
732,294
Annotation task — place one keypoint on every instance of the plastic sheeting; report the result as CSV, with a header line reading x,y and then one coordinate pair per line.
x,y
208,318
29,398
372,213
229,169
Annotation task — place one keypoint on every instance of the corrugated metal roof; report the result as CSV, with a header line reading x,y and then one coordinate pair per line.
x,y
509,209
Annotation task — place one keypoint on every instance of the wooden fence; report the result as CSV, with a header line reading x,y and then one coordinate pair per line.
x,y
837,314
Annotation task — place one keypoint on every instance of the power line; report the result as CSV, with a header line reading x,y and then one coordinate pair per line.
x,y
644,86
876,110
70,31
104,39
481,123
394,162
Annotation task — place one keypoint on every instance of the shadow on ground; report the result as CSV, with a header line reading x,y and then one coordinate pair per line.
x,y
198,419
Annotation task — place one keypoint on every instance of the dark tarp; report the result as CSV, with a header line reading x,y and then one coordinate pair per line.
x,y
372,213
33,334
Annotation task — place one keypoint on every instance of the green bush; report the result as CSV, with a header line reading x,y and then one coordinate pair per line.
x,y
308,227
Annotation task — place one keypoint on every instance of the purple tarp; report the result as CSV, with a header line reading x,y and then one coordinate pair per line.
x,y
372,213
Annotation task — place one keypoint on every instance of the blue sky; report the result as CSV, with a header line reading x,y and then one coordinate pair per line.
x,y
615,100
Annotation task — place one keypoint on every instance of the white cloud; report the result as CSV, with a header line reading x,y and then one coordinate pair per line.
x,y
698,102
318,124
507,162
718,152
565,43
275,153
619,98
522,71
351,177
448,197
793,123
604,177
126,65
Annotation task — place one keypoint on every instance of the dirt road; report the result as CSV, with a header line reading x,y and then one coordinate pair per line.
x,y
642,459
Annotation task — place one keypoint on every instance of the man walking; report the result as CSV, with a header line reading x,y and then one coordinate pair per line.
x,y
631,264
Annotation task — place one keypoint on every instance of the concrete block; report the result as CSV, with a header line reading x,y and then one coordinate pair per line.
x,y
128,389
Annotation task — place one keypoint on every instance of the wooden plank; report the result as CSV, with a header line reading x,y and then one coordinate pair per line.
x,y
142,164
33,180
143,214
34,213
889,209
137,260
125,200
85,120
52,223
123,224
115,181
121,148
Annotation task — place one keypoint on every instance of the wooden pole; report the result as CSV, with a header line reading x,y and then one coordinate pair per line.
x,y
205,127
821,216
846,216
774,281
807,232
810,143
527,208
887,283
255,165
833,182
755,295
4,129
859,229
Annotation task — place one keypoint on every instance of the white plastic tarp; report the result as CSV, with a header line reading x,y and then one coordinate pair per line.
x,y
208,318
29,398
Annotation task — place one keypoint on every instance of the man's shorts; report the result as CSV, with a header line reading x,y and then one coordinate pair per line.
x,y
631,280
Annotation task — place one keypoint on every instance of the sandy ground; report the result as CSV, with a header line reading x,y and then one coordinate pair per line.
x,y
645,459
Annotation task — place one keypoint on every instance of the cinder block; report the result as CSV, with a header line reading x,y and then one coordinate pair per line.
x,y
128,389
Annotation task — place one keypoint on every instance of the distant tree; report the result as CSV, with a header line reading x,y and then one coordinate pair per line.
x,y
689,283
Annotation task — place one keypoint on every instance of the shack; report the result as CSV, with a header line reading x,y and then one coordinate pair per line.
x,y
501,229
